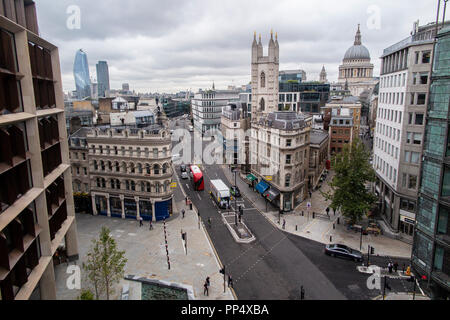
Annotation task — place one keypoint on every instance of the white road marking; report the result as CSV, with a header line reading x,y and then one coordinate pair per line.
x,y
132,234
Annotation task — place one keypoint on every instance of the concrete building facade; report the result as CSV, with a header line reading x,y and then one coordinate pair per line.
x,y
37,219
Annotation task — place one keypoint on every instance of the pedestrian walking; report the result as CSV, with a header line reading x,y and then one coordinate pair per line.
x,y
151,225
328,211
209,222
141,223
206,289
310,194
284,224
395,267
186,199
208,281
390,266
183,212
230,281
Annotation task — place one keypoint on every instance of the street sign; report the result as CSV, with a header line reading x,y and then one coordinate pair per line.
x,y
173,185
269,178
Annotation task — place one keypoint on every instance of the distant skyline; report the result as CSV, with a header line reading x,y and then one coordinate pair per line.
x,y
174,46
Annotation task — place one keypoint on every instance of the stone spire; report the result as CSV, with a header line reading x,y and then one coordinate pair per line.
x,y
358,37
323,75
260,47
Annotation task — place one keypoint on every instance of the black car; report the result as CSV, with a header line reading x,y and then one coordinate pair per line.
x,y
235,191
183,168
340,250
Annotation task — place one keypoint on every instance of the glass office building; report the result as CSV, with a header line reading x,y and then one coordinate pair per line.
x,y
81,74
431,248
102,78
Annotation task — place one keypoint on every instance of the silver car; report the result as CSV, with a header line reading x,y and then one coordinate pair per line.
x,y
340,250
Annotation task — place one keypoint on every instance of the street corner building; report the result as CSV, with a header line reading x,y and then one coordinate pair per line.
x,y
37,220
129,169
280,140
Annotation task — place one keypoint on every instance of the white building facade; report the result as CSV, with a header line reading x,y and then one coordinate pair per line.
x,y
399,131
207,108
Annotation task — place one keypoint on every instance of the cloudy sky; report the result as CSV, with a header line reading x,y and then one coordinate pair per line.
x,y
174,45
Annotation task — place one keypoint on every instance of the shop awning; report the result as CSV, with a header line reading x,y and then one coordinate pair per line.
x,y
262,187
251,178
272,194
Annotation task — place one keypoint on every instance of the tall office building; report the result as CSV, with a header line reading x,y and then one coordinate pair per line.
x,y
36,203
81,74
103,78
431,248
400,125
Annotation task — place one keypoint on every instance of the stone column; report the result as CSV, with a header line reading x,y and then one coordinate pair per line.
x,y
94,207
108,205
47,283
138,211
153,211
72,242
122,198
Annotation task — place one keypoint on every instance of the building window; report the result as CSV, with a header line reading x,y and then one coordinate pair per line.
x,y
421,98
287,181
262,105
288,159
263,80
412,182
426,56
419,119
288,142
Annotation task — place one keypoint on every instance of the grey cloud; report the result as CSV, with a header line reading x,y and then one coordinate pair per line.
x,y
173,45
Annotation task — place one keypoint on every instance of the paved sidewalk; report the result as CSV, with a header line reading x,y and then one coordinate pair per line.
x,y
321,228
146,254
402,296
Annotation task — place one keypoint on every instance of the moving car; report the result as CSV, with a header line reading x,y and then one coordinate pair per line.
x,y
340,250
184,175
191,129
235,191
183,168
373,228
221,193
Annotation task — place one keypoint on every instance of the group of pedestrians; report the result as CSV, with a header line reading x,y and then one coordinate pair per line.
x,y
207,284
141,223
393,267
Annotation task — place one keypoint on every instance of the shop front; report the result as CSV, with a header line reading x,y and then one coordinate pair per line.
x,y
101,205
146,210
116,207
130,207
163,209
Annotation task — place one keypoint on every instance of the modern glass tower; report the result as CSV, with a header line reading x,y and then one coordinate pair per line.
x,y
81,74
102,78
431,249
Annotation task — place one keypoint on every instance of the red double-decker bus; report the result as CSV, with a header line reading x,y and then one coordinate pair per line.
x,y
197,178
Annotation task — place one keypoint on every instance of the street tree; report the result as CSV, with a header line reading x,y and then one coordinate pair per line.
x,y
348,188
105,265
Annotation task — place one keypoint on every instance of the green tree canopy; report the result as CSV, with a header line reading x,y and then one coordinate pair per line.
x,y
105,264
348,188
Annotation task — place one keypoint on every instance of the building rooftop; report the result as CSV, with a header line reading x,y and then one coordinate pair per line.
x,y
284,120
345,100
318,136
81,133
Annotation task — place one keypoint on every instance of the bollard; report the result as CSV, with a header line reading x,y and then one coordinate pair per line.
x,y
303,214
296,228
331,238
334,226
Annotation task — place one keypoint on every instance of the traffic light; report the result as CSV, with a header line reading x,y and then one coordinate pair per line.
x,y
372,250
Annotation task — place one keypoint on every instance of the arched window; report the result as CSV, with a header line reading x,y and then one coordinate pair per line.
x,y
127,185
103,183
262,104
132,170
140,168
118,184
149,187
113,184
147,168
117,167
95,165
142,186
164,168
263,80
157,187
156,169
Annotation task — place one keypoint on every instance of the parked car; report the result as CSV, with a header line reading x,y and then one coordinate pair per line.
x,y
184,175
235,191
342,251
183,168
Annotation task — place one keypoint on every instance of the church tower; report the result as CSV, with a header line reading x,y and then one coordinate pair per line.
x,y
265,73
323,75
